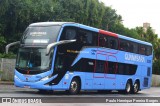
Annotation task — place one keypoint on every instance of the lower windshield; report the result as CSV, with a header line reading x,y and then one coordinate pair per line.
x,y
34,59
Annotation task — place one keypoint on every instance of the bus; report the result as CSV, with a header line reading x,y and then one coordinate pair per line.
x,y
73,57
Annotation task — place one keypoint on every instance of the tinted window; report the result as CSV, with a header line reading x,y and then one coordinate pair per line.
x,y
124,45
128,46
131,47
100,66
135,48
85,37
142,49
112,68
126,69
103,41
113,43
95,39
148,50
69,33
84,65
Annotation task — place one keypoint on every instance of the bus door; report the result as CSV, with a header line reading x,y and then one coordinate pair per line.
x,y
110,76
99,71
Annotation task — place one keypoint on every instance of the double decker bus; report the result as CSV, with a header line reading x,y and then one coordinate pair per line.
x,y
73,57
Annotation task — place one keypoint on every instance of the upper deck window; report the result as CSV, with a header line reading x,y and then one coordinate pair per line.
x,y
40,35
142,49
148,50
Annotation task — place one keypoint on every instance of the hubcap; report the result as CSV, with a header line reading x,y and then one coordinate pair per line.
x,y
74,86
135,87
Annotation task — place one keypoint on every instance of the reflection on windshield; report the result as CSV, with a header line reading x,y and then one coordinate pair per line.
x,y
34,59
40,35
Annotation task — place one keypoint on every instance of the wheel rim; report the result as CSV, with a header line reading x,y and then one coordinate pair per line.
x,y
135,87
128,87
74,86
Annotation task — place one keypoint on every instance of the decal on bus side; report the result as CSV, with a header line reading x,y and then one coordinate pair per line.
x,y
133,57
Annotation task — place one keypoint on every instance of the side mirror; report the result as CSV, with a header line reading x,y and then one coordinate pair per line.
x,y
50,46
11,44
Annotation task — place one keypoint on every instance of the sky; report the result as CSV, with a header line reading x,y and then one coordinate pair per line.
x,y
136,12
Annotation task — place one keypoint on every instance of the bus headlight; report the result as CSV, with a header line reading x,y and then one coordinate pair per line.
x,y
45,78
48,77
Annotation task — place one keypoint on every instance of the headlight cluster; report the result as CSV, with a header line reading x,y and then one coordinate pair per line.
x,y
45,78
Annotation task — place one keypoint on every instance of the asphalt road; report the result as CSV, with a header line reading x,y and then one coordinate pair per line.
x,y
91,98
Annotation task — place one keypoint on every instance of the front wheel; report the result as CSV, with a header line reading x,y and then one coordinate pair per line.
x,y
74,86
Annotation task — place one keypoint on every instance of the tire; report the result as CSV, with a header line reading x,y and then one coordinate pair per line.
x,y
135,87
74,86
128,87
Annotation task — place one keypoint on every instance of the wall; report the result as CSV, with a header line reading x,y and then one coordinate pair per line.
x,y
7,69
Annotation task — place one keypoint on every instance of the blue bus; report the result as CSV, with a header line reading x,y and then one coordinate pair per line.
x,y
73,57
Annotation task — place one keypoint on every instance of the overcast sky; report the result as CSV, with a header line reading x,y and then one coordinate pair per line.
x,y
136,12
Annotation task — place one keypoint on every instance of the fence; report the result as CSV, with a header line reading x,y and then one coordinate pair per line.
x,y
7,69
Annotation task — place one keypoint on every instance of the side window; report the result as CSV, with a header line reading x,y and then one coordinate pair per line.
x,y
120,68
103,41
142,49
113,43
95,39
84,65
112,69
89,65
125,45
135,48
148,50
126,69
131,47
85,37
69,33
100,66
122,45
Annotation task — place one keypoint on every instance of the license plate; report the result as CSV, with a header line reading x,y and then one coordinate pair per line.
x,y
26,86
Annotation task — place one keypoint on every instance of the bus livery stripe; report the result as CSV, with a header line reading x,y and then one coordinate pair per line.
x,y
108,33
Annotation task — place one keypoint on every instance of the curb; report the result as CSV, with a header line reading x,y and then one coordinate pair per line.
x,y
6,83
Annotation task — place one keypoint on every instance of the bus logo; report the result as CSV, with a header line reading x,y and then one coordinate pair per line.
x,y
136,58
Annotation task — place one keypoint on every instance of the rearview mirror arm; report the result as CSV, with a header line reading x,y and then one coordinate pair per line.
x,y
11,44
58,43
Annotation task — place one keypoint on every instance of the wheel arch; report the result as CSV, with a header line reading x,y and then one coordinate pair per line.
x,y
131,81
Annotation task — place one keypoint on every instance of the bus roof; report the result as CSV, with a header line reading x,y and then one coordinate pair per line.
x,y
50,23
91,29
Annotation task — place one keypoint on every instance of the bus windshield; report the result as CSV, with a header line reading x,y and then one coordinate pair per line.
x,y
40,35
34,59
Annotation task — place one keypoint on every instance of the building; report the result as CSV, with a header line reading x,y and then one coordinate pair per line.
x,y
146,26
